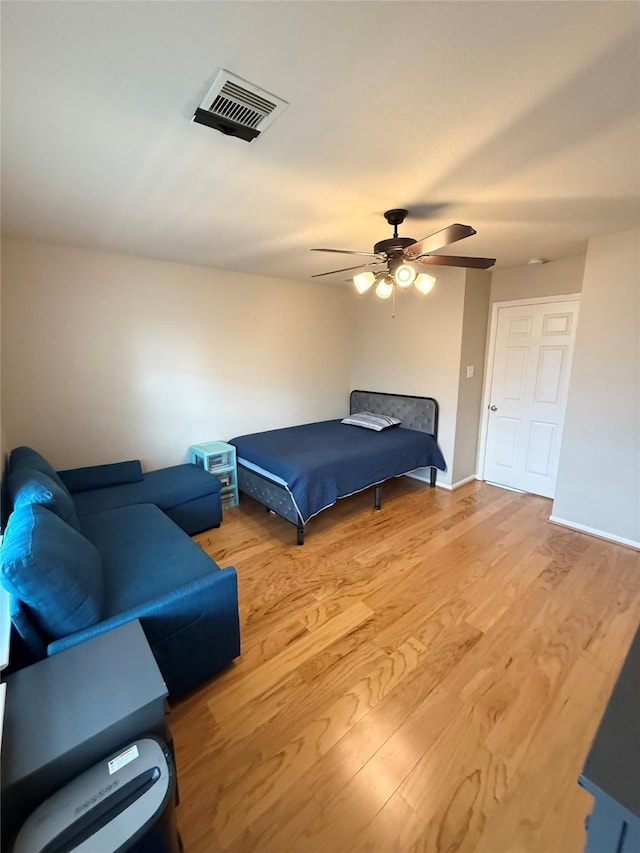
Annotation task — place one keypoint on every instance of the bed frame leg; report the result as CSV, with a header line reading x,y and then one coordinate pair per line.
x,y
432,477
300,533
376,504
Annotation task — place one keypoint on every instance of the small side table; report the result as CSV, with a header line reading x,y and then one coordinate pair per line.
x,y
219,459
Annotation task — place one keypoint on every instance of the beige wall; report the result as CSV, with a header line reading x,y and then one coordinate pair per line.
x,y
474,338
417,352
107,357
598,484
533,280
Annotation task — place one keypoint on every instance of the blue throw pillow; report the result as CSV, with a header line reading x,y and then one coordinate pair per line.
x,y
33,487
52,569
27,457
102,476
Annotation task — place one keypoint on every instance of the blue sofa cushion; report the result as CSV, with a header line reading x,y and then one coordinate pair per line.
x,y
27,457
145,556
102,476
52,569
26,486
166,488
24,625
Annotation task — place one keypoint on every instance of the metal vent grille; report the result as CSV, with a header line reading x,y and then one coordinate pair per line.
x,y
238,108
241,105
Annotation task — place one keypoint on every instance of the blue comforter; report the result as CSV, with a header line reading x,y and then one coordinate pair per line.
x,y
324,461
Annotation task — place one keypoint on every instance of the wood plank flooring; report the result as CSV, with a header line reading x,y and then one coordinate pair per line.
x,y
424,678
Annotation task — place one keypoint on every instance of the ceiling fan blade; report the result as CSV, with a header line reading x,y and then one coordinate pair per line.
x,y
441,238
346,269
456,261
347,252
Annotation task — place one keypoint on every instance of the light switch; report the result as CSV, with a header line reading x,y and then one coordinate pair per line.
x,y
470,371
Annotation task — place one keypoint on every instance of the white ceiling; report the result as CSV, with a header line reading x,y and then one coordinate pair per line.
x,y
518,118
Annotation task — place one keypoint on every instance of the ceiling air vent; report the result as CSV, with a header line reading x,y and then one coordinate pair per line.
x,y
236,107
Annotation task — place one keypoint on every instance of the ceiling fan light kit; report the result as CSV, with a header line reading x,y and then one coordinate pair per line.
x,y
424,283
384,288
405,274
363,281
405,258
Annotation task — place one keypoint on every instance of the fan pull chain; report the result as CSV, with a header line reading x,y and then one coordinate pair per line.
x,y
393,302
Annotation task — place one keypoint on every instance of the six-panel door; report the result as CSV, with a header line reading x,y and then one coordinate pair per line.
x,y
530,380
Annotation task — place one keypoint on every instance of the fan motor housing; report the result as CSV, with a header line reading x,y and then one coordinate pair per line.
x,y
393,245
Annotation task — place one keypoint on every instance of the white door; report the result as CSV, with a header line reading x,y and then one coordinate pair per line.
x,y
528,394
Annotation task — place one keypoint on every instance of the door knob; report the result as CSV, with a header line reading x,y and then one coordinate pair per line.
x,y
493,408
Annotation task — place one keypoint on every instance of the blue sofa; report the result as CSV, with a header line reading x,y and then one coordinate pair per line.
x,y
89,549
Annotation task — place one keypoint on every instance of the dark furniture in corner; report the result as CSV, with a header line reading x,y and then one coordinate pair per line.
x,y
67,712
612,769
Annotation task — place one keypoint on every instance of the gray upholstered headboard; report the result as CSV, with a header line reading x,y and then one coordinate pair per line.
x,y
419,413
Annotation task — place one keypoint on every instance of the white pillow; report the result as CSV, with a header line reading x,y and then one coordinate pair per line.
x,y
370,421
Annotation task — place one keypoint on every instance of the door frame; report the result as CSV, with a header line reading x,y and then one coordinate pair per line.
x,y
489,361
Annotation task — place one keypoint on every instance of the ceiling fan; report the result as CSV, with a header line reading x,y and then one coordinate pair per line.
x,y
406,259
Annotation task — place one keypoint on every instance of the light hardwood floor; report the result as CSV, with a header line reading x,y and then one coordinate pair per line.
x,y
424,678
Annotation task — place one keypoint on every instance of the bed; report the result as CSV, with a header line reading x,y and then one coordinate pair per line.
x,y
296,472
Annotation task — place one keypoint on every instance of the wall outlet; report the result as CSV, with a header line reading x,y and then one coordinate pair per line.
x,y
470,371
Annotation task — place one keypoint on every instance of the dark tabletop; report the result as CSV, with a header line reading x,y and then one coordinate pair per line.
x,y
613,763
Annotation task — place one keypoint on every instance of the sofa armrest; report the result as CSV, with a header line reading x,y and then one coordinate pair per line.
x,y
102,476
193,632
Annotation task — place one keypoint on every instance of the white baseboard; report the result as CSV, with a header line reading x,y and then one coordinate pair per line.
x,y
458,484
508,488
424,478
593,531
